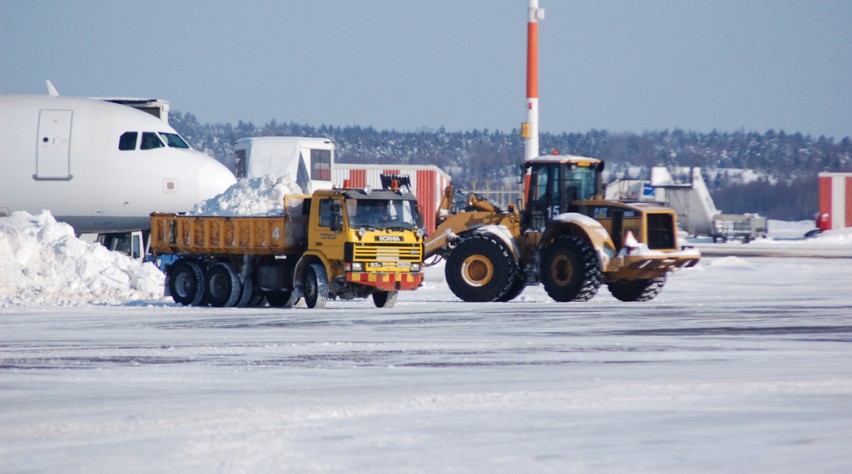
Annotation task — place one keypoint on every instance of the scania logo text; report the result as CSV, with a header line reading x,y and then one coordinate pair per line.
x,y
388,238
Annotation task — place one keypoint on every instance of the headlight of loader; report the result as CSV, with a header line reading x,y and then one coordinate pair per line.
x,y
415,267
357,267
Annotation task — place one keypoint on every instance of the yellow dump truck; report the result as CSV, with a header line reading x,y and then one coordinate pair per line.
x,y
340,243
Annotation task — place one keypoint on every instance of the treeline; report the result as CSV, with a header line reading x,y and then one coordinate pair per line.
x,y
786,164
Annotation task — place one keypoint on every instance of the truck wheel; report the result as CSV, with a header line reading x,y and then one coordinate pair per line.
x,y
480,269
316,286
247,294
281,299
223,286
569,270
637,290
385,299
186,283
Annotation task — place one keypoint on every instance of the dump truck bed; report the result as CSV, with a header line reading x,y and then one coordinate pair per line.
x,y
179,234
232,235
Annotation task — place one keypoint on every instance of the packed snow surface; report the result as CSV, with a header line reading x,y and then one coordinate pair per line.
x,y
742,364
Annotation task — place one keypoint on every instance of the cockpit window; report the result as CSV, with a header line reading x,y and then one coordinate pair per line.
x,y
150,140
127,141
174,140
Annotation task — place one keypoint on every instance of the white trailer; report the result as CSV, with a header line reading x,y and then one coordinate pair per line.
x,y
308,160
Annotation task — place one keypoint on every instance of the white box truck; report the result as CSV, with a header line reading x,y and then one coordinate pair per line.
x,y
308,160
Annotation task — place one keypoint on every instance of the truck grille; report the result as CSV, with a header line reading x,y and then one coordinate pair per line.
x,y
661,232
389,252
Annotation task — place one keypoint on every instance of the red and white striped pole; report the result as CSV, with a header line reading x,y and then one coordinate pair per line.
x,y
529,129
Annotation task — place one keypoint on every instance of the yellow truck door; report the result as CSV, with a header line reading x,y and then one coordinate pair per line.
x,y
327,236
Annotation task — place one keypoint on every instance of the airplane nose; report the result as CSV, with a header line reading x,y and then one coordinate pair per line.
x,y
213,179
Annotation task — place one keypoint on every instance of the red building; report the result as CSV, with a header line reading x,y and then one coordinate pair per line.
x,y
835,201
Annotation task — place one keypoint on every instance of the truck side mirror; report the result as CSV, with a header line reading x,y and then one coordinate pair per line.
x,y
336,217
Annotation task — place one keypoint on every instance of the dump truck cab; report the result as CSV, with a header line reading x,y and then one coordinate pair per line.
x,y
367,240
335,243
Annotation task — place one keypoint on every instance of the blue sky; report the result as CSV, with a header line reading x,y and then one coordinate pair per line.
x,y
618,65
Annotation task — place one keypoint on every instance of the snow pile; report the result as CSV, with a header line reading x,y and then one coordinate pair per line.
x,y
42,263
262,196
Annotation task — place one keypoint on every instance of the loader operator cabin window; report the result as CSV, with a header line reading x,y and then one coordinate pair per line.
x,y
127,141
321,165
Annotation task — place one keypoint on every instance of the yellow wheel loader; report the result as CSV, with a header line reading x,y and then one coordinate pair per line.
x,y
566,237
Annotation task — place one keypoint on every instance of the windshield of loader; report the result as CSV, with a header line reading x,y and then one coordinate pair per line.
x,y
382,213
558,184
556,188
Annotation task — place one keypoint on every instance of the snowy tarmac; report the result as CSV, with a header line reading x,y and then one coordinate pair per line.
x,y
742,364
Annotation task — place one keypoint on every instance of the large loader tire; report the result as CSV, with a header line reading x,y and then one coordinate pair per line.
x,y
480,268
315,286
637,290
223,286
515,290
186,283
570,270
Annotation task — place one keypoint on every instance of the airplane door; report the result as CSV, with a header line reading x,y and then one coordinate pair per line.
x,y
53,159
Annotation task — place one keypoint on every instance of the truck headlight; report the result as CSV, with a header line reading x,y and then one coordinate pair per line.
x,y
357,267
415,267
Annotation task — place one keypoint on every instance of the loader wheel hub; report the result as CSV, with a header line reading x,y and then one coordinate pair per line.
x,y
562,270
477,270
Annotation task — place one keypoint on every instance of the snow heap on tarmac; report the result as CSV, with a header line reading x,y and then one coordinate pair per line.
x,y
263,196
42,263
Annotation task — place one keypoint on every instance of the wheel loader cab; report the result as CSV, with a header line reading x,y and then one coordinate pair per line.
x,y
558,185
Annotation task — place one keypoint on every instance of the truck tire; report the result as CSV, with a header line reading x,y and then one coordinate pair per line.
x,y
186,283
480,269
316,286
223,286
281,299
637,290
385,299
247,294
570,270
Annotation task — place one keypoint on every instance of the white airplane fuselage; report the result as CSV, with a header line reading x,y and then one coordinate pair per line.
x,y
97,165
